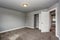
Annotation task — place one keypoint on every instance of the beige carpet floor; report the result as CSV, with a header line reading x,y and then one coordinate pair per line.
x,y
27,34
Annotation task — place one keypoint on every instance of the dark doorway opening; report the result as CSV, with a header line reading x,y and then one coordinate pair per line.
x,y
36,21
53,20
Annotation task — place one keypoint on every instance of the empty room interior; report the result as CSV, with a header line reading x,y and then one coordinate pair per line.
x,y
29,19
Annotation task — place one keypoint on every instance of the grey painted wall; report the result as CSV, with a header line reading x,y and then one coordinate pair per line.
x,y
57,5
10,19
45,21
43,15
30,18
53,6
58,20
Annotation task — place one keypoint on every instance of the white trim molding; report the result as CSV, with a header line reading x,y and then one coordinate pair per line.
x,y
30,27
16,29
11,29
56,20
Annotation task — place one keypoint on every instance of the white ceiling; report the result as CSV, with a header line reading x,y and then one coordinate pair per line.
x,y
33,4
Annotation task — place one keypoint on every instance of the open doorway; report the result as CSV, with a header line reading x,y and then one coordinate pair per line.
x,y
53,21
36,21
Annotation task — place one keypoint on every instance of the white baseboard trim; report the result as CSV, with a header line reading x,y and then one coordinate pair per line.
x,y
57,36
16,29
11,29
30,27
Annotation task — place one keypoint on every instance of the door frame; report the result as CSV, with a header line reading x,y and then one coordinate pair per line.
x,y
35,21
56,19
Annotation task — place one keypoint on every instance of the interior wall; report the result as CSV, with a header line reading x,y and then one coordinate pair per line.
x,y
58,20
10,19
43,15
57,5
30,18
45,21
53,6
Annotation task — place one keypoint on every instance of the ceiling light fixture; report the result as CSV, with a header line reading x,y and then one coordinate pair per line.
x,y
24,4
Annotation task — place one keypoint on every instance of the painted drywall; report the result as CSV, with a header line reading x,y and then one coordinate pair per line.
x,y
58,20
30,19
53,6
10,19
44,23
44,14
57,6
43,20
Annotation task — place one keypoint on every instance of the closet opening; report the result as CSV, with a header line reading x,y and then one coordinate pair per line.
x,y
36,21
53,21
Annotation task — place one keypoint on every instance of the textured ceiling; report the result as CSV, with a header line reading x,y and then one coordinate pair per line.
x,y
33,4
